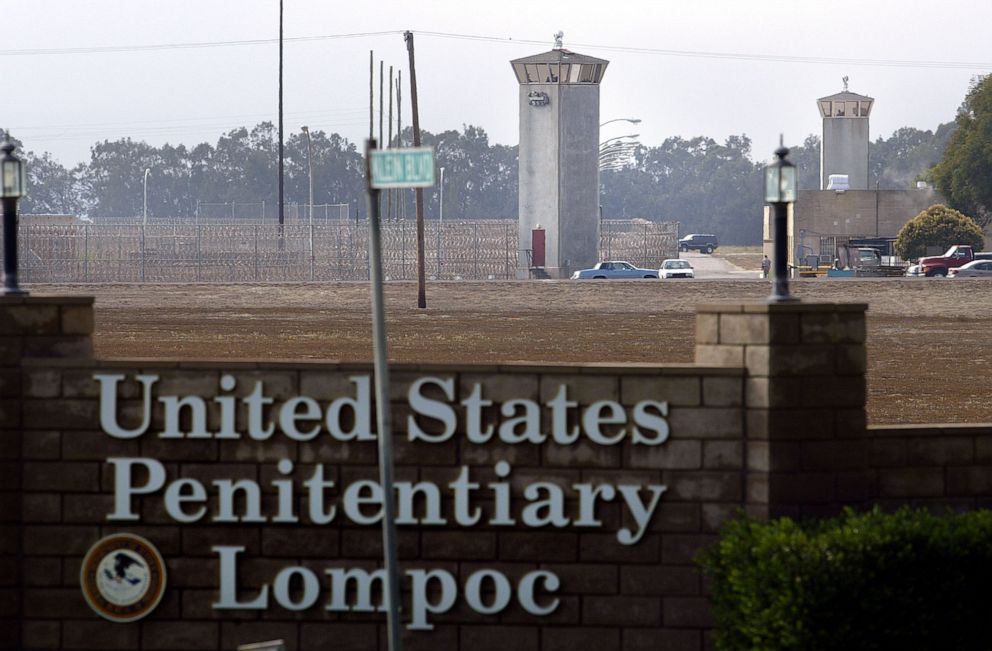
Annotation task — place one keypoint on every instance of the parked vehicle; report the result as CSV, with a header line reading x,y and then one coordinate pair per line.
x,y
698,242
673,268
614,269
974,269
862,262
938,265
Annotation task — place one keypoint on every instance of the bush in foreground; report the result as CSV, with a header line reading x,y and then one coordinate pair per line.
x,y
872,580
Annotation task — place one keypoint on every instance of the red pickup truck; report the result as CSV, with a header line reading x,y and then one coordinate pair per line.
x,y
937,265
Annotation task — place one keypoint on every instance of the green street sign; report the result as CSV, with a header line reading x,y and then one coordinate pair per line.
x,y
402,168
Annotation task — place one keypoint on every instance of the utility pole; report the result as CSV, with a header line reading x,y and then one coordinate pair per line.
x,y
389,143
282,242
381,68
401,209
371,96
418,193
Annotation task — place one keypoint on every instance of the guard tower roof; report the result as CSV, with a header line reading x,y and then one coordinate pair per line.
x,y
559,66
845,105
847,95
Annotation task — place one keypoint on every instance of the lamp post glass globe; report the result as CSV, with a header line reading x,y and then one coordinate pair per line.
x,y
13,183
14,173
780,191
780,179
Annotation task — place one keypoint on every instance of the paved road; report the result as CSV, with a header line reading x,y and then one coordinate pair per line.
x,y
712,268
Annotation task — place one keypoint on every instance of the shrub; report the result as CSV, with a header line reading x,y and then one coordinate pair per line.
x,y
872,580
937,226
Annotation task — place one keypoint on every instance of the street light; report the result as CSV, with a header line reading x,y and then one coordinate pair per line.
x,y
609,140
306,130
14,185
144,209
440,221
631,120
615,153
780,191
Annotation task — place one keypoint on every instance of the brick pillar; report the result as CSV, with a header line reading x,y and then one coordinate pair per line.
x,y
804,400
29,327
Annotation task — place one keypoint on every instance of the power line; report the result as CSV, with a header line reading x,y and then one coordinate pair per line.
x,y
511,41
739,56
699,54
219,120
185,46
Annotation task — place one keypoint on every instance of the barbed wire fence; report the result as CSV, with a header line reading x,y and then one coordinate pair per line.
x,y
327,250
258,212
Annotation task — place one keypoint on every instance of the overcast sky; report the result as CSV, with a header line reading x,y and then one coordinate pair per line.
x,y
916,58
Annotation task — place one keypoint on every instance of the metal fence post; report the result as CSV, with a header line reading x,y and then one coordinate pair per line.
x,y
27,254
510,244
142,253
478,248
86,252
255,257
198,255
403,251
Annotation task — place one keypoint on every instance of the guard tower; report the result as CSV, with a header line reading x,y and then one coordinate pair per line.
x,y
559,158
844,146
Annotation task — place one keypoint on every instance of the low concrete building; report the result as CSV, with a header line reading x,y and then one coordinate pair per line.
x,y
823,219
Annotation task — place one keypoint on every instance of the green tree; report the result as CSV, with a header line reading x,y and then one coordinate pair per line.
x,y
964,175
708,187
52,189
906,156
806,158
937,226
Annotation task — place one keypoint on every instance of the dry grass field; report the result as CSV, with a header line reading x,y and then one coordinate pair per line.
x,y
929,343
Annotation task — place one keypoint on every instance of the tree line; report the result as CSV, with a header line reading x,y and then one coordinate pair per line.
x,y
706,185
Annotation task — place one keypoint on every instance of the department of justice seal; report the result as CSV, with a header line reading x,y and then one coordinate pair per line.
x,y
123,577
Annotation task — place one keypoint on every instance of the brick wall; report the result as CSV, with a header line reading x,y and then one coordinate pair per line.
x,y
853,212
771,418
30,327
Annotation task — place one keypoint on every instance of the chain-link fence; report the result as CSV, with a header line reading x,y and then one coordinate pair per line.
x,y
333,250
260,212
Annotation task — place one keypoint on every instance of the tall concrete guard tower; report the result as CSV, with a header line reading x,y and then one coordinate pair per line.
x,y
559,159
844,146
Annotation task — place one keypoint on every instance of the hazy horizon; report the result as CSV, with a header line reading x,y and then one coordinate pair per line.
x,y
113,69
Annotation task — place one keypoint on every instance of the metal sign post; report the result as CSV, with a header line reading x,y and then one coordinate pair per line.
x,y
397,168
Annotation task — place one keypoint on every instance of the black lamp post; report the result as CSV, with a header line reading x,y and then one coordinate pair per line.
x,y
14,184
780,191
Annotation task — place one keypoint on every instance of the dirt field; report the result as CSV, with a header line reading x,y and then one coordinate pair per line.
x,y
929,342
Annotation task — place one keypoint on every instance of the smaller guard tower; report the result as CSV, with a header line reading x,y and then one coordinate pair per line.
x,y
844,145
559,158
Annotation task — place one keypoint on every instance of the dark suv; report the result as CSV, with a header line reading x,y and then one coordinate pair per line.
x,y
698,242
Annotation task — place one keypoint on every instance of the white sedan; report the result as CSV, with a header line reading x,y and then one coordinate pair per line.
x,y
676,269
974,269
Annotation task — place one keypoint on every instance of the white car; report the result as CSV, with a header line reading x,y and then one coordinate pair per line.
x,y
974,269
676,269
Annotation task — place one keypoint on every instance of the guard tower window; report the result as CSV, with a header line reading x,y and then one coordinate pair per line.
x,y
825,108
518,69
839,109
852,109
533,73
588,74
553,73
865,108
